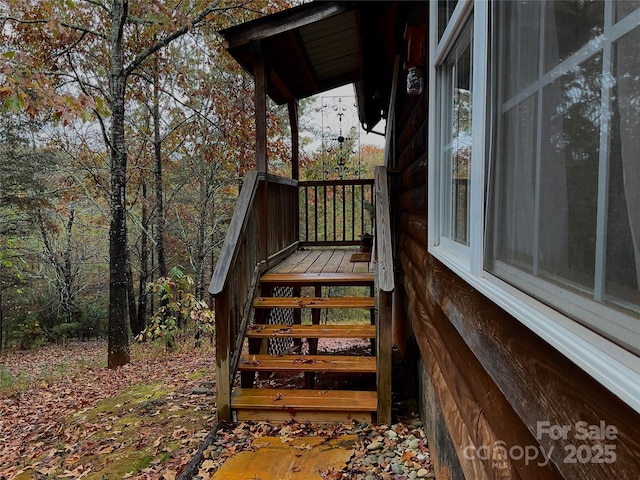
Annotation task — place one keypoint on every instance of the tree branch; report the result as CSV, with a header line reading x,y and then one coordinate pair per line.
x,y
78,28
98,4
196,21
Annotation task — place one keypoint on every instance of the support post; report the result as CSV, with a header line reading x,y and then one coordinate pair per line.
x,y
384,351
295,154
385,285
223,357
259,74
262,164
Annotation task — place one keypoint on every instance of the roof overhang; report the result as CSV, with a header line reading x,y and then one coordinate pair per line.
x,y
318,46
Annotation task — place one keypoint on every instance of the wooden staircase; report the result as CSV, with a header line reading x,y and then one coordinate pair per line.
x,y
252,401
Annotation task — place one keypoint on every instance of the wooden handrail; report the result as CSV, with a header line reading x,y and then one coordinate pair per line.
x,y
319,183
231,242
252,241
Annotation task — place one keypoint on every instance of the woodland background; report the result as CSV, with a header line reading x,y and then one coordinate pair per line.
x,y
126,130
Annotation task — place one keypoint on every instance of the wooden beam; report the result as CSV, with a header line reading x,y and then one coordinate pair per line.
x,y
280,23
280,85
304,59
295,139
259,74
262,163
389,143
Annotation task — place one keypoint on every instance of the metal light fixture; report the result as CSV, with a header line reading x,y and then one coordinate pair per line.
x,y
415,38
415,81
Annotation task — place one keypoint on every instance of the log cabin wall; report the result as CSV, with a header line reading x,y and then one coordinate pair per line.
x,y
485,381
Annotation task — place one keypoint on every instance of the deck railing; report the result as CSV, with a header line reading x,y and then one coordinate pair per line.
x,y
263,228
384,286
336,212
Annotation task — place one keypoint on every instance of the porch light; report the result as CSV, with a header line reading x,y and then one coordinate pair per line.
x,y
415,38
415,81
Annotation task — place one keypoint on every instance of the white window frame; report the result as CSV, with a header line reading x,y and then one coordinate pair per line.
x,y
439,51
608,363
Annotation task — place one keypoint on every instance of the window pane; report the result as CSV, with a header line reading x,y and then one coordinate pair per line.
x,y
522,44
457,148
569,25
569,174
445,10
563,205
515,184
623,220
625,7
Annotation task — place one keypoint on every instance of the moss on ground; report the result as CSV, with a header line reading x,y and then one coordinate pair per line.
x,y
142,428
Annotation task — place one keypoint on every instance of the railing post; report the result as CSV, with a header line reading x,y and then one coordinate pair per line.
x,y
385,286
383,355
223,356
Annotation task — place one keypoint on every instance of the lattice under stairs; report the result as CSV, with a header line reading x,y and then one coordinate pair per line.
x,y
284,375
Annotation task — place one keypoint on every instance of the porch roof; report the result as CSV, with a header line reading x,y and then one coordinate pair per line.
x,y
318,46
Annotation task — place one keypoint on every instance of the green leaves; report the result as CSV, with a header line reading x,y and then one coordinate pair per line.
x,y
13,103
178,310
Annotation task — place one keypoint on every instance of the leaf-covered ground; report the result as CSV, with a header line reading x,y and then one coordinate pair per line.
x,y
63,414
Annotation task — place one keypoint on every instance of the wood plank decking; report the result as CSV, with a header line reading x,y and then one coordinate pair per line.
x,y
307,363
316,260
304,405
314,302
312,331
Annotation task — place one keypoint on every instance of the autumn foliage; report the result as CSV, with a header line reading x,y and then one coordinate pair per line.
x,y
141,128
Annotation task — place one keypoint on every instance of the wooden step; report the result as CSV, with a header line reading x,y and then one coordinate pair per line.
x,y
314,302
303,405
307,363
308,279
311,331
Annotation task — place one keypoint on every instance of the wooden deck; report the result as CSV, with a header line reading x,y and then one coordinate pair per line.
x,y
322,260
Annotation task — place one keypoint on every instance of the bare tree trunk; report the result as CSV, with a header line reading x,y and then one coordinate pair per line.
x,y
157,149
1,321
144,267
131,294
200,250
68,301
62,263
118,348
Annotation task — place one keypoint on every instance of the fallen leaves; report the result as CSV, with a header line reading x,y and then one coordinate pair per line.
x,y
330,474
87,420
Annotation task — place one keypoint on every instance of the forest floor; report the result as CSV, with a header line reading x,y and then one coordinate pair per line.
x,y
63,414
